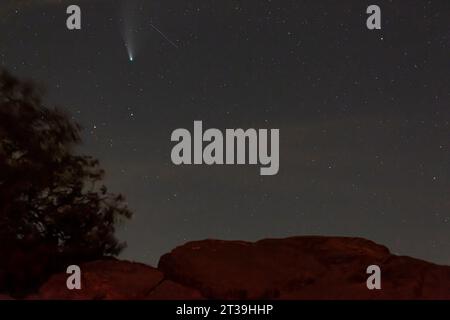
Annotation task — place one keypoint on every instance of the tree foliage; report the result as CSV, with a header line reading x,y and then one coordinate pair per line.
x,y
49,195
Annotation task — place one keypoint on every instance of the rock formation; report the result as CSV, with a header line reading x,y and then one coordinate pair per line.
x,y
292,268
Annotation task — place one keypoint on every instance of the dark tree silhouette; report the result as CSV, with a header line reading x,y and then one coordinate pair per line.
x,y
53,206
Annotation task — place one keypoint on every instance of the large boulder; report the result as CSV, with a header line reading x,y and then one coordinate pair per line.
x,y
292,268
116,280
105,279
301,268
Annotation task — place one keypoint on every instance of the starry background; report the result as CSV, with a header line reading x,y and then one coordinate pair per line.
x,y
363,115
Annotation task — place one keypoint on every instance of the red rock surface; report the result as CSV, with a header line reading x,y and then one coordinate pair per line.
x,y
292,268
116,280
105,280
301,268
169,290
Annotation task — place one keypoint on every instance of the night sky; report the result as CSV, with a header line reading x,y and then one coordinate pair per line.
x,y
363,115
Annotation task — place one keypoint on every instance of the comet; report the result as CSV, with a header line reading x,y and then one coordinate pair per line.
x,y
130,53
130,24
135,28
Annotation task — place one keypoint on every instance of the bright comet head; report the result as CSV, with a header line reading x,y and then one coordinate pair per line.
x,y
130,55
130,52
